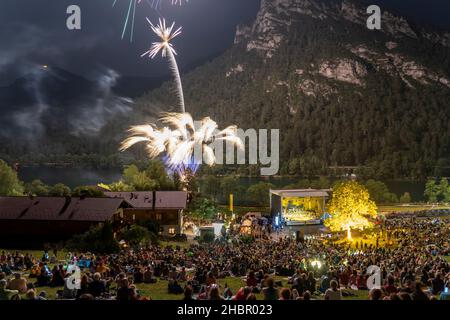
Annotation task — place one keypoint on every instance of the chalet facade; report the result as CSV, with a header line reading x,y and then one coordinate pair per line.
x,y
165,208
36,220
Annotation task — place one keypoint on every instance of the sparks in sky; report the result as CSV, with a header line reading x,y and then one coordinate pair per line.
x,y
180,140
167,34
131,13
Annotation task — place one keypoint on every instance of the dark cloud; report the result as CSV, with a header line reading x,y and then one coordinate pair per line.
x,y
36,31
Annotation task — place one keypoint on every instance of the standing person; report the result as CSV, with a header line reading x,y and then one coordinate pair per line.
x,y
333,293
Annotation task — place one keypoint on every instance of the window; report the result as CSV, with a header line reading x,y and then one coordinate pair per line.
x,y
171,230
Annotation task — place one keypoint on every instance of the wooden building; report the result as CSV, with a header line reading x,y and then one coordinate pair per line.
x,y
36,220
165,208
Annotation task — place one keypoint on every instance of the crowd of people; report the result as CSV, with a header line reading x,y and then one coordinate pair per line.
x,y
412,265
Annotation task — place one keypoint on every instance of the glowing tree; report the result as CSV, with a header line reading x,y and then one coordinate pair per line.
x,y
350,208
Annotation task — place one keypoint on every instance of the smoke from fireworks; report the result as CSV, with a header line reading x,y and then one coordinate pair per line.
x,y
167,34
181,138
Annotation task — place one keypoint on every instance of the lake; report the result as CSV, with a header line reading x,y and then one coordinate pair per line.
x,y
74,177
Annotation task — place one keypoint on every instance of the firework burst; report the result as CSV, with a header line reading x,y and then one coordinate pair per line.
x,y
180,140
158,3
167,34
130,15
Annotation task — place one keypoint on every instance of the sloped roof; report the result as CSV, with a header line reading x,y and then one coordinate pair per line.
x,y
302,193
138,200
95,209
144,200
170,200
58,208
14,207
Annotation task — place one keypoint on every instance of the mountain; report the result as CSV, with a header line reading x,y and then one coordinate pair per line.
x,y
341,94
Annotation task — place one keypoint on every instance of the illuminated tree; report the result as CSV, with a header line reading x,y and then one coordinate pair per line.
x,y
350,208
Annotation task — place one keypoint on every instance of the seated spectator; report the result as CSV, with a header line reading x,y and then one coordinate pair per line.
x,y
405,296
437,284
86,297
307,296
418,294
97,287
251,297
57,278
182,276
138,275
333,293
188,294
390,287
6,294
214,293
445,295
18,283
251,279
375,294
270,292
174,287
242,294
44,277
148,276
125,292
285,294
210,280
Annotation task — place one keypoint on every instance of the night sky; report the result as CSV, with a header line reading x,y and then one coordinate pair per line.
x,y
34,32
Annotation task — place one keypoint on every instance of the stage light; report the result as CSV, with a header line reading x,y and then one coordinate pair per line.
x,y
316,263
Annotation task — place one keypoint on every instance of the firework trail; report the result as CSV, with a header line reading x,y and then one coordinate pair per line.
x,y
131,13
181,139
167,34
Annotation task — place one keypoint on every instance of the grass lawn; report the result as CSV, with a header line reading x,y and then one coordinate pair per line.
x,y
61,255
183,245
158,291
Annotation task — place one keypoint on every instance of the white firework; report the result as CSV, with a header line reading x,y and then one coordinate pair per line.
x,y
167,34
182,139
